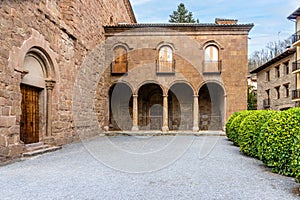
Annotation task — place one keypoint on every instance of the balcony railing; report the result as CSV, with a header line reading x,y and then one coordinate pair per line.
x,y
296,65
165,67
212,67
296,37
296,94
266,103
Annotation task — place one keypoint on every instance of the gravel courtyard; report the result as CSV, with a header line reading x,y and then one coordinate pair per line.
x,y
161,167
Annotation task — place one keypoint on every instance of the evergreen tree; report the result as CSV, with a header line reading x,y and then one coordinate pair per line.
x,y
182,15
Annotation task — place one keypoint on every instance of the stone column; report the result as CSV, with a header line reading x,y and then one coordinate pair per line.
x,y
196,113
49,87
165,114
135,126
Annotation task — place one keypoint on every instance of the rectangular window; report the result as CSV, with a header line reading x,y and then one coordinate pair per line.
x,y
267,75
277,72
287,90
278,91
286,66
268,94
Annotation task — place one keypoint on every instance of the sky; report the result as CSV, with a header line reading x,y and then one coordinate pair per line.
x,y
268,16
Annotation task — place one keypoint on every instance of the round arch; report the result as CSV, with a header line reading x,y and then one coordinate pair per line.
x,y
122,82
182,82
214,43
150,106
180,106
212,106
37,83
120,106
136,91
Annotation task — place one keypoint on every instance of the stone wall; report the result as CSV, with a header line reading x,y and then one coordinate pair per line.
x,y
66,31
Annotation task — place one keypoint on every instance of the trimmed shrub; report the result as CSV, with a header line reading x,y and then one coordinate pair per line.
x,y
233,133
228,123
279,139
250,129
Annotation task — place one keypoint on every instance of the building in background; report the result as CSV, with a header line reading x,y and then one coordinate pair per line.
x,y
295,16
275,82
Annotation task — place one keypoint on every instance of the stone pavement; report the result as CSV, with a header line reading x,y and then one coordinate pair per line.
x,y
162,167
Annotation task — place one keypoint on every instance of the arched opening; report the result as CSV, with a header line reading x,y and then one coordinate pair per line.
x,y
212,63
165,63
180,107
211,107
120,107
150,107
36,105
120,63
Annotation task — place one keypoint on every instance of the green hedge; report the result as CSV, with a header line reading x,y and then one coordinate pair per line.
x,y
271,136
228,129
233,128
250,129
278,139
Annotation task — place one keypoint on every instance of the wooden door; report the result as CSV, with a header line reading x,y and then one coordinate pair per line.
x,y
29,126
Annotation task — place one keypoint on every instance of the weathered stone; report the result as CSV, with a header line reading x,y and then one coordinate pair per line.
x,y
62,30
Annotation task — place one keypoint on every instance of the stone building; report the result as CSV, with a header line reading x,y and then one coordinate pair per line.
x,y
295,16
174,76
279,79
275,82
70,69
43,44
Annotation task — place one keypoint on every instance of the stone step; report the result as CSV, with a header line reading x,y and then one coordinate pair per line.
x,y
34,145
41,151
38,147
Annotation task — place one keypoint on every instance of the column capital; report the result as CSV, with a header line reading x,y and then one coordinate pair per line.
x,y
165,95
195,95
49,84
135,95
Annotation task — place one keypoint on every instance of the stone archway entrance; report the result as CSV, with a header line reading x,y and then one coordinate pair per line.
x,y
180,107
36,105
150,107
120,107
211,107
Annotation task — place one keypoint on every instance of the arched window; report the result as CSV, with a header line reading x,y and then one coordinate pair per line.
x,y
119,64
212,64
211,53
165,63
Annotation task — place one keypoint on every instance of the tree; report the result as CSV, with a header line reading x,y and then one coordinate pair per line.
x,y
182,15
271,50
252,98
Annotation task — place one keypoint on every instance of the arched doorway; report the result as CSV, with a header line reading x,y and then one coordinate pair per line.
x,y
36,105
150,107
211,107
120,107
180,107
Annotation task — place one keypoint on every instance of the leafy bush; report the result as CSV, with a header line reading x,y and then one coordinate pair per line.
x,y
233,133
228,123
279,142
250,129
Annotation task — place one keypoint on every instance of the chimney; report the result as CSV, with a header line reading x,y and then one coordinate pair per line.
x,y
225,21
